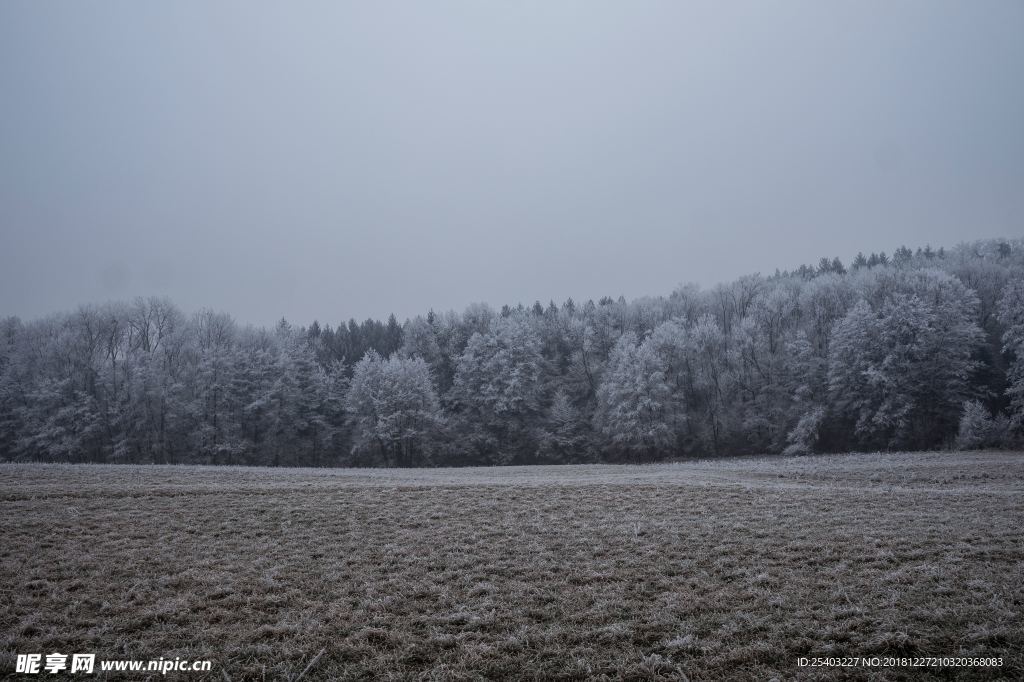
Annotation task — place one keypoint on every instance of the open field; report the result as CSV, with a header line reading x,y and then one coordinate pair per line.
x,y
712,570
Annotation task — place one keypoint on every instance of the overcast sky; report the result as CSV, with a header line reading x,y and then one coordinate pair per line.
x,y
334,160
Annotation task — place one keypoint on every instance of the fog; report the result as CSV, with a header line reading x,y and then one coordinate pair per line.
x,y
336,160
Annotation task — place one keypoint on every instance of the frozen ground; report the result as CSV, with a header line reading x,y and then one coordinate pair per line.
x,y
708,569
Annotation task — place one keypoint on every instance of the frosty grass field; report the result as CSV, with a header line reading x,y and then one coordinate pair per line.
x,y
712,570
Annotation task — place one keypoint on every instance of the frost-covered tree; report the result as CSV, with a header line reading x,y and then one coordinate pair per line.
x,y
759,347
822,302
497,391
300,406
978,429
10,386
712,385
563,434
803,439
393,410
215,437
634,402
1011,315
62,424
585,363
902,369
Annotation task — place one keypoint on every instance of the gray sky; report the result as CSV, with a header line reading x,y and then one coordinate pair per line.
x,y
334,160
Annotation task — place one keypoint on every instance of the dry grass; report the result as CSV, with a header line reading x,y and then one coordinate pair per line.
x,y
709,569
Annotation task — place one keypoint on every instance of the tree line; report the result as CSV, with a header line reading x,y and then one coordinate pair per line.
x,y
923,349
